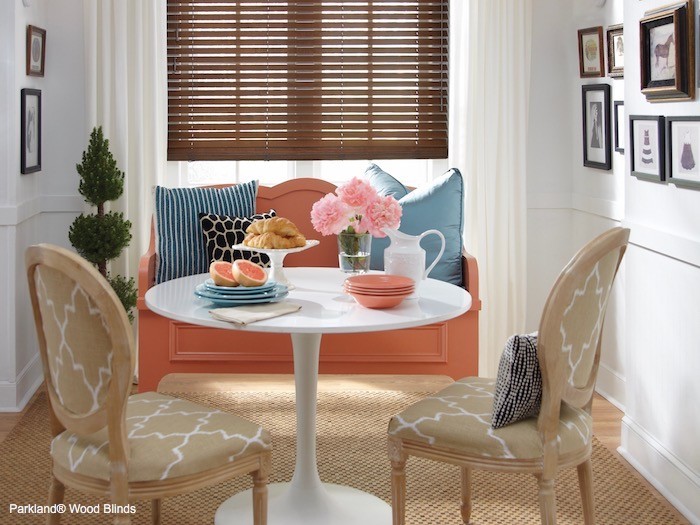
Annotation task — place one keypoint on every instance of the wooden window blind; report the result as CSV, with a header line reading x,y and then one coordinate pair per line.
x,y
307,80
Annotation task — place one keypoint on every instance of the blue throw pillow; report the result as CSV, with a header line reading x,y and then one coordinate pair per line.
x,y
181,250
437,205
385,183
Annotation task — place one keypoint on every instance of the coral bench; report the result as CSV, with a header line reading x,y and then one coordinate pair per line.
x,y
167,346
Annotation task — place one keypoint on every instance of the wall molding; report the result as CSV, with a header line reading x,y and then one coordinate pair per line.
x,y
612,386
14,396
549,201
608,209
14,215
667,473
664,243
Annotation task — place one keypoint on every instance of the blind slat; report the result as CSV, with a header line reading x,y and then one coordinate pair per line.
x,y
307,79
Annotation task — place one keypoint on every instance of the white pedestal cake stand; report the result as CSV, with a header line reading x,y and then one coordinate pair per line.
x,y
277,256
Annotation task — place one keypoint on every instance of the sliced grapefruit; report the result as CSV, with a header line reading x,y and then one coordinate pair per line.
x,y
248,273
222,274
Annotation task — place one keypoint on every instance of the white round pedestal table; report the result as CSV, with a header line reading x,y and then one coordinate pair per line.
x,y
325,309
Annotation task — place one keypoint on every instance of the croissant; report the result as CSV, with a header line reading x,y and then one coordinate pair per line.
x,y
279,225
271,240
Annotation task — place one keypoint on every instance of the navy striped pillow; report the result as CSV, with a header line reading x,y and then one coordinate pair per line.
x,y
179,242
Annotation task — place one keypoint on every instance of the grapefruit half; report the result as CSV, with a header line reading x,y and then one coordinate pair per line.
x,y
222,274
248,273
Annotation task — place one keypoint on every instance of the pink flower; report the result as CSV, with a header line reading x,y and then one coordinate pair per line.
x,y
385,212
330,215
357,193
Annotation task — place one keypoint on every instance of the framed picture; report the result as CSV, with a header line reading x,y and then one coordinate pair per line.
x,y
616,51
683,151
31,131
591,60
647,147
666,50
619,118
596,126
36,51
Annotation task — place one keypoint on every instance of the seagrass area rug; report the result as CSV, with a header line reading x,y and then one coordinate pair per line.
x,y
351,451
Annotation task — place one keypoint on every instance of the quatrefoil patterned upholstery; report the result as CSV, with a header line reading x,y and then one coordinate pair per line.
x,y
78,346
459,418
168,438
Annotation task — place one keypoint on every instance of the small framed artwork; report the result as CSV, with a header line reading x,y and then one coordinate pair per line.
x,y
666,50
619,118
30,140
591,59
683,151
596,126
647,147
616,51
36,51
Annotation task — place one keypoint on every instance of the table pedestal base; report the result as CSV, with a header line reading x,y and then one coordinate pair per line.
x,y
333,505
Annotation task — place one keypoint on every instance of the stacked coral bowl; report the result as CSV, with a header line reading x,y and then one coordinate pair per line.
x,y
379,291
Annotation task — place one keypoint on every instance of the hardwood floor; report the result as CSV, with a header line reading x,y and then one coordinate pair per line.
x,y
607,419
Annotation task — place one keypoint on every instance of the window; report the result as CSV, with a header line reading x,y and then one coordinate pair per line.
x,y
307,80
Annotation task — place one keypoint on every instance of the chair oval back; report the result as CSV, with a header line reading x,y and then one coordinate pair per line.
x,y
571,325
85,338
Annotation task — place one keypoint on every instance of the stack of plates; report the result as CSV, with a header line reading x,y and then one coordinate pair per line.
x,y
379,291
270,292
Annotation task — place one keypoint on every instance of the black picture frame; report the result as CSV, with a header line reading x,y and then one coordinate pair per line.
x,y
595,115
30,139
591,54
36,51
619,125
647,147
667,53
683,151
616,51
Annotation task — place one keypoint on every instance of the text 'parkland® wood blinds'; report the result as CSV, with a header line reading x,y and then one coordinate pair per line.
x,y
307,80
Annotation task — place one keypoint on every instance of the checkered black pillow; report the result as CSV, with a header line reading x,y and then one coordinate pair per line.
x,y
519,382
221,232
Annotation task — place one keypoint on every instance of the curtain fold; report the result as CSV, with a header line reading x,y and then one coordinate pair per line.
x,y
126,91
490,44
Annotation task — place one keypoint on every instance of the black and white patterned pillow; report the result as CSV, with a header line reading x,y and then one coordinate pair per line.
x,y
221,232
518,393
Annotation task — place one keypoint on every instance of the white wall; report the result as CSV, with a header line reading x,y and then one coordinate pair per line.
x,y
661,429
37,207
650,361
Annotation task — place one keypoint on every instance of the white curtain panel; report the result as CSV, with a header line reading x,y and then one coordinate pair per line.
x,y
489,96
127,95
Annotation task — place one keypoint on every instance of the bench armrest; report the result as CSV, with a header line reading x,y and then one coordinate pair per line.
x,y
470,278
147,271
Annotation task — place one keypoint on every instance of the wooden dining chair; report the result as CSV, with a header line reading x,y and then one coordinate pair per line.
x,y
105,442
454,425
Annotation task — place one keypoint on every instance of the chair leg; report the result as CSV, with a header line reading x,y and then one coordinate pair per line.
x,y
548,502
56,492
260,479
585,483
466,508
155,511
398,481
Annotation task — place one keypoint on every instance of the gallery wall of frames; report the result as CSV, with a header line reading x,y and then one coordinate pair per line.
x,y
661,149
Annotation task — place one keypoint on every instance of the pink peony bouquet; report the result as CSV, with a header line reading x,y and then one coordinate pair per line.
x,y
355,207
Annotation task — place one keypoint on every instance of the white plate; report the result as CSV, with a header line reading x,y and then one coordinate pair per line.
x,y
268,251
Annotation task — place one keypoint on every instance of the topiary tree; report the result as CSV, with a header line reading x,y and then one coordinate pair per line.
x,y
101,237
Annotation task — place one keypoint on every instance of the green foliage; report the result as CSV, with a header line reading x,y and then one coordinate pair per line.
x,y
100,239
126,291
100,179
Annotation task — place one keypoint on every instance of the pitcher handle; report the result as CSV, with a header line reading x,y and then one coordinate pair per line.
x,y
442,249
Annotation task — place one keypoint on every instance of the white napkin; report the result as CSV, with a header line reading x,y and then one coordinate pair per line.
x,y
255,312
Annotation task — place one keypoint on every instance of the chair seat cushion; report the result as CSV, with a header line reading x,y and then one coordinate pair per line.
x,y
459,418
168,438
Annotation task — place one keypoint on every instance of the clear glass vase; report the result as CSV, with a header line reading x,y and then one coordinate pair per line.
x,y
354,252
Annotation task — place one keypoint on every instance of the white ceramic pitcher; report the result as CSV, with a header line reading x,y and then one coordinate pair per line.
x,y
404,256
